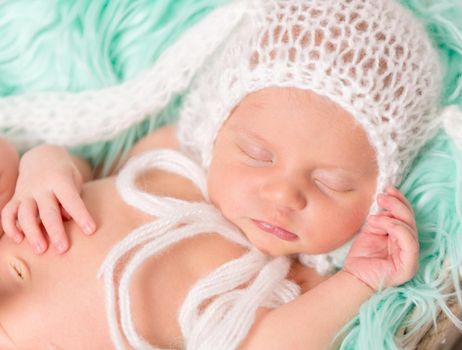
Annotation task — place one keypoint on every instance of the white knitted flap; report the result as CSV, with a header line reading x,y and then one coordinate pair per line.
x,y
79,118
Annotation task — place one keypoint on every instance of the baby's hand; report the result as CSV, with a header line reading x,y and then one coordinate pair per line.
x,y
47,190
385,252
9,161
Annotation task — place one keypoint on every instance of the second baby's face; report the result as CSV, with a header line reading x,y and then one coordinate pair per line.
x,y
293,171
50,302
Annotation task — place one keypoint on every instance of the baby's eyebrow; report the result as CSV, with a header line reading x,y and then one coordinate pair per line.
x,y
344,172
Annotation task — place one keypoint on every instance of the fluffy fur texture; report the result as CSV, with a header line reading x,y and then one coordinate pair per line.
x,y
83,45
434,188
110,41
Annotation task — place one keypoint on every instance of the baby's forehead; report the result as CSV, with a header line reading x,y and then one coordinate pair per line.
x,y
278,116
284,102
296,96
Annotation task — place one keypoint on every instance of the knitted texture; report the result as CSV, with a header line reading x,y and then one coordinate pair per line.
x,y
370,57
227,319
61,45
97,115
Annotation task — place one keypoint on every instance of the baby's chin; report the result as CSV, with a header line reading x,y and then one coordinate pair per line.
x,y
273,246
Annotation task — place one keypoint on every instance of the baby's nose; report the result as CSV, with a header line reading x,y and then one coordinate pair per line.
x,y
284,194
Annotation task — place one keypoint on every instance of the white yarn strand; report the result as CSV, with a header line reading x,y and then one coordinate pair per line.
x,y
209,287
215,331
107,272
148,250
162,159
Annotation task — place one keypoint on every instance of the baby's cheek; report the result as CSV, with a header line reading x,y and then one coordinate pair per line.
x,y
350,224
220,183
353,212
336,225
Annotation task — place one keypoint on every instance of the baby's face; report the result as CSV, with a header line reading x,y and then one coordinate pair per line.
x,y
293,171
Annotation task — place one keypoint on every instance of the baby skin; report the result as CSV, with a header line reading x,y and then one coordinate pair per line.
x,y
307,190
9,161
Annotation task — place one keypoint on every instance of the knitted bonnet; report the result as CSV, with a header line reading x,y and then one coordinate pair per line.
x,y
371,57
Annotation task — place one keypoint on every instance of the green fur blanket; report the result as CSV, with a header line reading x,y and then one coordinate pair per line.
x,y
64,45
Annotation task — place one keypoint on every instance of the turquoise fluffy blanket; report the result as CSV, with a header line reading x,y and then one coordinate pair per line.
x,y
63,45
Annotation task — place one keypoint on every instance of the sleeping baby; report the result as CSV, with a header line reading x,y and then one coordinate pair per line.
x,y
293,138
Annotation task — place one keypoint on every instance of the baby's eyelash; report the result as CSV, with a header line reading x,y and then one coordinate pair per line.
x,y
253,154
331,188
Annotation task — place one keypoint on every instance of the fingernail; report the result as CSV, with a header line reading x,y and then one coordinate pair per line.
x,y
61,247
88,228
39,247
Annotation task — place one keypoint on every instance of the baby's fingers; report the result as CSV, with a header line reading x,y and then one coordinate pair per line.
x,y
396,203
50,214
398,194
73,204
9,215
27,218
403,247
386,222
397,208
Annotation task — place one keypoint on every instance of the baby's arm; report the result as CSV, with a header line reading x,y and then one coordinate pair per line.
x,y
385,253
9,161
47,189
312,320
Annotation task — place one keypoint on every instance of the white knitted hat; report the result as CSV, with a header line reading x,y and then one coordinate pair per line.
x,y
371,57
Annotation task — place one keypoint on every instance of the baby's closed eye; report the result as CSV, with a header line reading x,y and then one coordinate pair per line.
x,y
333,184
255,152
18,269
